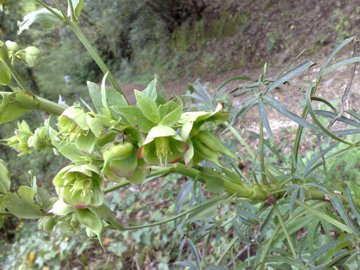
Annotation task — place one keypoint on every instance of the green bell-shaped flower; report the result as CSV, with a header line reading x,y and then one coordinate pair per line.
x,y
19,141
72,123
80,186
120,161
162,145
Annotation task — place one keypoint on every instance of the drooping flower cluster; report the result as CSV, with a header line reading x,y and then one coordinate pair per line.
x,y
117,142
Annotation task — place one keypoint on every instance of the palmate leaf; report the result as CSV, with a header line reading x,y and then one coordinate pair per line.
x,y
199,92
246,106
342,63
95,94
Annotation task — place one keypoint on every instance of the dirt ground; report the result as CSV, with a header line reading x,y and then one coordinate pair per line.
x,y
276,32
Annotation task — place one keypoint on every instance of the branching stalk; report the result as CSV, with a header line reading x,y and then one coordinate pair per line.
x,y
34,102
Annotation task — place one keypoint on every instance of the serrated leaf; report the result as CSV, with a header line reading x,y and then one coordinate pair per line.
x,y
112,100
11,108
27,194
170,113
135,117
95,94
151,90
42,16
22,204
147,106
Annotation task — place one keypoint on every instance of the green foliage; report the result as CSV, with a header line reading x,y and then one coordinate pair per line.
x,y
285,211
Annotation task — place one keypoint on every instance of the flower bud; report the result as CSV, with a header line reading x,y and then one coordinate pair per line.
x,y
40,140
119,161
162,145
11,46
31,55
19,141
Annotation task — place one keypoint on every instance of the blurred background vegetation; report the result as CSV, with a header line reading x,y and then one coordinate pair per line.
x,y
180,40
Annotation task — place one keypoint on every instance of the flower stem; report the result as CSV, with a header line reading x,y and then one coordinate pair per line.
x,y
32,102
92,51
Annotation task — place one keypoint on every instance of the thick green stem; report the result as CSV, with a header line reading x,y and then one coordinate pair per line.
x,y
92,51
32,102
256,192
116,187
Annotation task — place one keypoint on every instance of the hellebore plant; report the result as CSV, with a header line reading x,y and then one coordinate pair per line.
x,y
110,144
